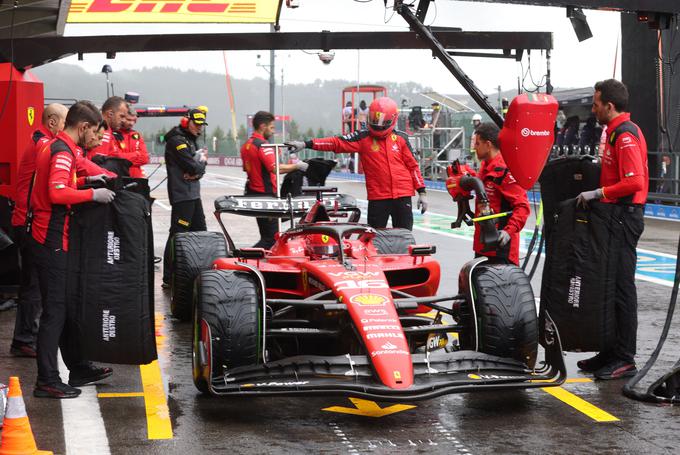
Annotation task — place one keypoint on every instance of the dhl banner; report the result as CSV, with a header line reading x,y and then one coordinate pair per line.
x,y
172,11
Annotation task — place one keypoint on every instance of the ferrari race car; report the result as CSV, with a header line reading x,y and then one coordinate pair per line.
x,y
337,307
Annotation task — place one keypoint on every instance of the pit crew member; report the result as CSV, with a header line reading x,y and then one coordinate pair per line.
x,y
504,193
185,163
624,180
392,172
54,191
260,164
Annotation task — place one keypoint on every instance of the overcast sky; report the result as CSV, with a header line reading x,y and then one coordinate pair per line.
x,y
574,64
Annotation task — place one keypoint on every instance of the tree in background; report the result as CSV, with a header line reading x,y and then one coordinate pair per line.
x,y
293,131
309,134
320,132
218,133
242,134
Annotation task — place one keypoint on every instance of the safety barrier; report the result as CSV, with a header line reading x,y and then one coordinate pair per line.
x,y
231,161
665,212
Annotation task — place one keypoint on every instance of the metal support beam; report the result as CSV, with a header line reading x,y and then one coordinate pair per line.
x,y
631,6
272,78
31,52
421,12
440,52
517,55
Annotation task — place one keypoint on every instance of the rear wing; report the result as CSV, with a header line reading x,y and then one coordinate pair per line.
x,y
273,207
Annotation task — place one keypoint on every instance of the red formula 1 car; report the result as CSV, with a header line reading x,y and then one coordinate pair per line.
x,y
336,307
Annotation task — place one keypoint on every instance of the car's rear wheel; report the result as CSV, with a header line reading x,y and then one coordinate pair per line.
x,y
192,252
506,314
393,241
227,329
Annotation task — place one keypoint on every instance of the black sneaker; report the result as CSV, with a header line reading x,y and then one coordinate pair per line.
x,y
22,350
79,378
616,369
56,390
165,285
593,364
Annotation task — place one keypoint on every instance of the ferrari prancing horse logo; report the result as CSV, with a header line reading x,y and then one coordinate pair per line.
x,y
31,115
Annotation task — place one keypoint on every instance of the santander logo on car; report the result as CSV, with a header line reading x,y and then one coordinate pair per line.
x,y
526,132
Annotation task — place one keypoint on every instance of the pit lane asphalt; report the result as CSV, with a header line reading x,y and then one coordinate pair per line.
x,y
491,422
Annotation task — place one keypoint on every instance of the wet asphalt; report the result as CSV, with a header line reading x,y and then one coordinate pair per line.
x,y
482,423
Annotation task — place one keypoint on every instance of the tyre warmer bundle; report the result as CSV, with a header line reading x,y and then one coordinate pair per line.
x,y
316,174
120,166
110,279
565,178
579,275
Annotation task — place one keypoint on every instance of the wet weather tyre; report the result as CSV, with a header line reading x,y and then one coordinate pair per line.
x,y
229,303
506,312
393,241
192,252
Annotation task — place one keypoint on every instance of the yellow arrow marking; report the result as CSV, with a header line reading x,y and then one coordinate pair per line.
x,y
580,404
369,408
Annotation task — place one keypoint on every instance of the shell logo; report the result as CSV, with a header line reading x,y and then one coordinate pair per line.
x,y
369,299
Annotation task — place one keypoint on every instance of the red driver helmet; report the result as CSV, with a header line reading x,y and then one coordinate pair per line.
x,y
321,246
382,116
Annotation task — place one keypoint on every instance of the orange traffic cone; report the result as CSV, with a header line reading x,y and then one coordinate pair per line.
x,y
17,437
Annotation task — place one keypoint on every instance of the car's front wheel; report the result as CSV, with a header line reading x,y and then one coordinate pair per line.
x,y
507,325
227,328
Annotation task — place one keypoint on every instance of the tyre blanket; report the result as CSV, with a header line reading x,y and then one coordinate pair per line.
x,y
110,279
579,275
565,178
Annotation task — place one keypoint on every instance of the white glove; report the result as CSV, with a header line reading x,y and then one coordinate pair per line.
x,y
503,238
301,166
202,155
295,146
103,195
422,202
587,196
100,178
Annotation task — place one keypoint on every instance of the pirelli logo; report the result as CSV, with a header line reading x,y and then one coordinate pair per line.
x,y
172,11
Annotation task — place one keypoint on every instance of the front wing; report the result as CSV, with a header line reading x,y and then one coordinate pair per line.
x,y
435,374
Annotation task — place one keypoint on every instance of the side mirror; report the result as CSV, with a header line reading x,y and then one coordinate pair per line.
x,y
422,250
250,253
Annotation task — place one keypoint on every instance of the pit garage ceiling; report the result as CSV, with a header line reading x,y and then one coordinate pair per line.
x,y
31,18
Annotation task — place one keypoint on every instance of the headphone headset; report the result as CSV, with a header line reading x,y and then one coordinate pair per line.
x,y
184,121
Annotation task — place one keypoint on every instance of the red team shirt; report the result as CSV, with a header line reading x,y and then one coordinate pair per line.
x,y
40,138
54,191
389,165
260,165
624,164
503,196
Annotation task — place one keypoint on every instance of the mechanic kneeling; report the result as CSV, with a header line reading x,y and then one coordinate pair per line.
x,y
54,191
504,194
